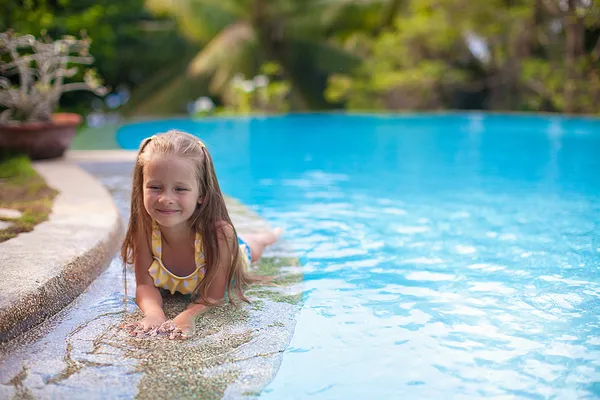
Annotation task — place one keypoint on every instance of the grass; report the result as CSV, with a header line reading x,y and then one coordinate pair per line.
x,y
22,189
96,138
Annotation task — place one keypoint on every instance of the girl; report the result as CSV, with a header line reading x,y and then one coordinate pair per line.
x,y
180,237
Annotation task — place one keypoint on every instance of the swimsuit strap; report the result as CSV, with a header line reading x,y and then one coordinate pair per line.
x,y
198,253
156,240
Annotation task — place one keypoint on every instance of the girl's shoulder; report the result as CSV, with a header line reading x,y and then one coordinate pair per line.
x,y
225,229
222,224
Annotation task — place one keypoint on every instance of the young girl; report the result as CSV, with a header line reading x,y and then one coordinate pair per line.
x,y
180,237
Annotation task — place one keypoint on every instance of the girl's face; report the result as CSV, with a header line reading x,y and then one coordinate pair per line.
x,y
171,190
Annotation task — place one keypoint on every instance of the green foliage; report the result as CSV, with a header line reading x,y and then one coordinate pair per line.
x,y
300,35
22,189
548,81
429,59
368,54
406,67
168,90
129,44
202,20
15,167
263,94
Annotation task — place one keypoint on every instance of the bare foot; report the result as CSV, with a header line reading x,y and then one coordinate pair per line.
x,y
258,241
271,237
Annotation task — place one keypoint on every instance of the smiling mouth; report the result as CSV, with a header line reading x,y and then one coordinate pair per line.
x,y
167,212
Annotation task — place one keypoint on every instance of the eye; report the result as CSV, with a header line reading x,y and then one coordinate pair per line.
x,y
154,187
180,189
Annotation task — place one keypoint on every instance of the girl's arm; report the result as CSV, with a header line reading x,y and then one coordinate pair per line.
x,y
216,290
147,296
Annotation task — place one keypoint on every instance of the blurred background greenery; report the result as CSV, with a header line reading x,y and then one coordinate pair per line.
x,y
179,57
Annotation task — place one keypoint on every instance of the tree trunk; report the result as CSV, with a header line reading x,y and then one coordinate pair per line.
x,y
388,17
574,31
525,41
270,35
596,51
518,41
503,81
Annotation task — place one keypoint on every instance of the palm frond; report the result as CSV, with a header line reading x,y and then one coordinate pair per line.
x,y
200,20
308,65
340,16
149,87
224,48
246,61
172,97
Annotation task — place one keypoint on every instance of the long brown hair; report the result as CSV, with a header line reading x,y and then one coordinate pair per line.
x,y
205,220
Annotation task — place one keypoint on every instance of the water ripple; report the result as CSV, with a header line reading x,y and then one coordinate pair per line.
x,y
455,256
479,300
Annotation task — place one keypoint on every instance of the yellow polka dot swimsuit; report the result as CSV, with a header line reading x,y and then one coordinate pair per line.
x,y
165,279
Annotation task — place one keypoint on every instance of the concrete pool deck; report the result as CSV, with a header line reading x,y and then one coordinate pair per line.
x,y
47,268
234,354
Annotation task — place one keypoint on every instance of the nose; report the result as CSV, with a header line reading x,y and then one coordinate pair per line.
x,y
165,199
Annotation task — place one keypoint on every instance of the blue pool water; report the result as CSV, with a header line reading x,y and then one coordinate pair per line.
x,y
450,256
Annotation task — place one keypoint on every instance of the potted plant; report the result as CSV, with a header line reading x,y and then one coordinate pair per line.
x,y
29,122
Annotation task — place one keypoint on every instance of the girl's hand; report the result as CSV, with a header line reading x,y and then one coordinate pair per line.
x,y
150,324
182,326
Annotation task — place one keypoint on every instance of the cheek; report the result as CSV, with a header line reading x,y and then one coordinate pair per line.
x,y
190,200
148,197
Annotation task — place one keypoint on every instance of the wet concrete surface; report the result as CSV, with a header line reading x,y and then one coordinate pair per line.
x,y
82,353
46,269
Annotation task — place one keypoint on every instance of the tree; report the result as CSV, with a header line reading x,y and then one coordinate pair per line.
x,y
240,35
497,54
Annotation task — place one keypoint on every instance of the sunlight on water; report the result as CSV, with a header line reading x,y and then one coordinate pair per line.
x,y
445,257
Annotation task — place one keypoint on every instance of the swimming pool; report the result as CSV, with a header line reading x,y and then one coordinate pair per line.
x,y
445,256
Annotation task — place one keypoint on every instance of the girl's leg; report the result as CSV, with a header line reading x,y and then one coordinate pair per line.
x,y
258,242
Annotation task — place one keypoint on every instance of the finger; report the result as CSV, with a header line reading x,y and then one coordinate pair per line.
x,y
181,334
176,333
140,331
132,330
166,323
165,327
128,326
137,325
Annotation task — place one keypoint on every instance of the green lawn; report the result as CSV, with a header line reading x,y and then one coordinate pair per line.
x,y
21,188
97,138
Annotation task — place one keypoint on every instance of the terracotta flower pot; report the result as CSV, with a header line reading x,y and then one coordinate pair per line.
x,y
41,140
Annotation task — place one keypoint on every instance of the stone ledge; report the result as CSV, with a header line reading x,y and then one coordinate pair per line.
x,y
46,269
104,156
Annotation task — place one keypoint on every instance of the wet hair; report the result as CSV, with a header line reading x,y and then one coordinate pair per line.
x,y
207,219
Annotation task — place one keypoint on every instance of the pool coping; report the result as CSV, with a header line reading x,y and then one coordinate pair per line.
x,y
79,156
247,368
47,268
